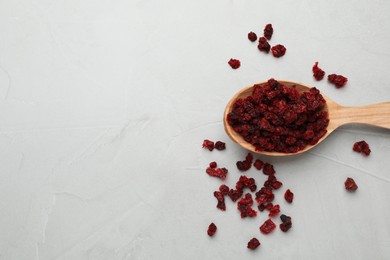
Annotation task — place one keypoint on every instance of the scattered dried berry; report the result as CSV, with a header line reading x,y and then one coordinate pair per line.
x,y
253,243
252,36
278,50
207,144
318,73
267,227
217,172
258,164
337,80
275,210
279,118
244,205
362,147
224,189
213,165
221,200
212,229
268,31
350,184
286,223
245,182
263,45
234,63
289,196
268,169
235,194
246,164
220,146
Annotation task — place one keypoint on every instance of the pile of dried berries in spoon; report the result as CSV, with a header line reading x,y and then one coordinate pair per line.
x,y
277,118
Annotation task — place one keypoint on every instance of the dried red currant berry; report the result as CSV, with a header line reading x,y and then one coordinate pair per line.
x,y
285,218
234,63
224,189
252,36
221,200
278,50
268,169
263,45
217,172
318,73
276,185
246,164
289,196
213,165
268,31
338,80
258,164
350,184
253,243
267,227
286,223
212,229
208,145
362,147
244,205
275,210
220,145
235,194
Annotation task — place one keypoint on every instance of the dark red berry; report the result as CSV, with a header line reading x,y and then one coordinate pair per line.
x,y
278,50
244,205
224,189
275,210
212,229
213,165
286,223
350,184
246,164
258,164
221,200
338,80
318,73
362,147
252,36
235,194
267,227
253,243
268,31
285,218
208,145
268,169
263,45
220,145
217,172
289,196
234,63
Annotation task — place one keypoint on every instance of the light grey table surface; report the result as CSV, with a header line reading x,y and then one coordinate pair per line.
x,y
104,106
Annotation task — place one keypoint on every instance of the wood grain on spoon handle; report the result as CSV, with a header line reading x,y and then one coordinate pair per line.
x,y
376,114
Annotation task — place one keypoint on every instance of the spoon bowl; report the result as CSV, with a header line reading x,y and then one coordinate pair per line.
x,y
376,115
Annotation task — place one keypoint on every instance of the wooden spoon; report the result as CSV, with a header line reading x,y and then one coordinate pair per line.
x,y
377,115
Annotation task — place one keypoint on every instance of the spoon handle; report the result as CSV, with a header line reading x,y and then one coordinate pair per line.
x,y
376,114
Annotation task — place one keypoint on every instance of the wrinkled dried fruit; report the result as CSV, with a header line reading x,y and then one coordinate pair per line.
x,y
220,146
221,200
245,182
362,147
267,227
268,31
275,210
246,164
263,45
258,164
338,80
244,205
234,63
207,144
278,50
213,165
286,223
350,184
217,172
253,243
252,36
224,189
212,229
289,196
268,169
318,73
277,118
235,194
